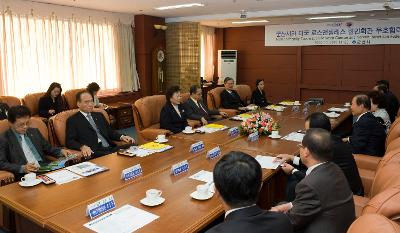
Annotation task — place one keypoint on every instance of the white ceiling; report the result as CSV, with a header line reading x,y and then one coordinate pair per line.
x,y
221,12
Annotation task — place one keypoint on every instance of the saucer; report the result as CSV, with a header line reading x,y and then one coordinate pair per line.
x,y
188,132
163,141
297,104
156,202
25,184
197,196
276,137
347,105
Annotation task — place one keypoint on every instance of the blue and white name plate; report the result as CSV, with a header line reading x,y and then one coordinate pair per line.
x,y
180,168
233,132
253,137
131,172
100,207
196,147
213,153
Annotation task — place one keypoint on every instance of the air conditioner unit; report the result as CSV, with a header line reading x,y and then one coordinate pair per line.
x,y
227,65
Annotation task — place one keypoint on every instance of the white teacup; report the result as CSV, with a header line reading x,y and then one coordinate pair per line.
x,y
161,137
296,102
188,129
29,178
347,104
275,133
153,194
202,189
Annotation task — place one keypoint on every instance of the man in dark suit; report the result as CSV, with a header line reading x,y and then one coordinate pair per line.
x,y
230,98
392,103
90,132
341,156
197,110
22,148
237,178
368,134
324,201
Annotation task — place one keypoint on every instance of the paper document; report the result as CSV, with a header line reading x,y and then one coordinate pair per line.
x,y
267,162
211,128
86,169
122,220
204,176
63,176
338,109
296,137
155,147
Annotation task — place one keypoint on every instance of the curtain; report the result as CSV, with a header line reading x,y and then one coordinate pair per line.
x,y
207,37
35,51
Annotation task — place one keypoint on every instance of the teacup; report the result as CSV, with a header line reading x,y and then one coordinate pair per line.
x,y
188,129
161,138
347,104
275,133
29,178
202,189
296,102
153,194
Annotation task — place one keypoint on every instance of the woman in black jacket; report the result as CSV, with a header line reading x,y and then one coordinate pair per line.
x,y
173,116
51,103
258,96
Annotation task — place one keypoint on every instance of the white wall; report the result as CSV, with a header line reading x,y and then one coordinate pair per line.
x,y
45,10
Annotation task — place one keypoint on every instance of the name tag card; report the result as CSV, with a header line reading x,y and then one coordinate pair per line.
x,y
233,132
131,172
196,147
179,168
100,207
213,153
253,137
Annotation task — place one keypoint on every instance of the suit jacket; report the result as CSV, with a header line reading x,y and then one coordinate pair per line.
x,y
79,132
343,157
231,101
323,203
392,105
258,98
254,220
46,103
11,154
194,112
368,136
170,120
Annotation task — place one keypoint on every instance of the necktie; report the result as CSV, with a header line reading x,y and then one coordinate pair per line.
x,y
28,152
201,108
103,141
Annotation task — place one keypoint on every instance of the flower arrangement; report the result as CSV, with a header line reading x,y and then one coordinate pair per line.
x,y
260,122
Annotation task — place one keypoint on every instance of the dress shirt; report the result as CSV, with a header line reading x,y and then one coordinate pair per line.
x,y
176,109
232,210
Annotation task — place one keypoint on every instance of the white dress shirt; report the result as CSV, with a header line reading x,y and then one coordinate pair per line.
x,y
232,210
177,110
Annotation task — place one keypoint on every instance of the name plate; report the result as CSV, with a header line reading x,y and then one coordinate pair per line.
x,y
131,172
213,153
253,137
180,168
196,147
233,132
100,207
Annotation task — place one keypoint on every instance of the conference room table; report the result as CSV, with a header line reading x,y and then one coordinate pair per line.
x,y
61,208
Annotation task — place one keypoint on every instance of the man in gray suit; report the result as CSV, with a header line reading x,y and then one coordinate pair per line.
x,y
324,201
23,148
197,110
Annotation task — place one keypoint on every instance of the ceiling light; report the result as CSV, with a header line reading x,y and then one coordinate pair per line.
x,y
332,17
250,21
179,6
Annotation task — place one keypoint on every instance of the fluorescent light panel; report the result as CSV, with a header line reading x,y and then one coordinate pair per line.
x,y
250,21
332,17
179,6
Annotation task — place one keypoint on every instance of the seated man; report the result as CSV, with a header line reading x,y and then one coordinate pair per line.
x,y
341,156
237,178
230,98
89,131
22,148
324,201
368,135
197,110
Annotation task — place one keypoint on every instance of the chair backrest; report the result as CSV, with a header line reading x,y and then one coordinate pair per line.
x,y
386,203
394,144
58,123
185,97
373,223
387,176
148,110
214,97
10,100
244,92
32,102
394,132
70,97
34,123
